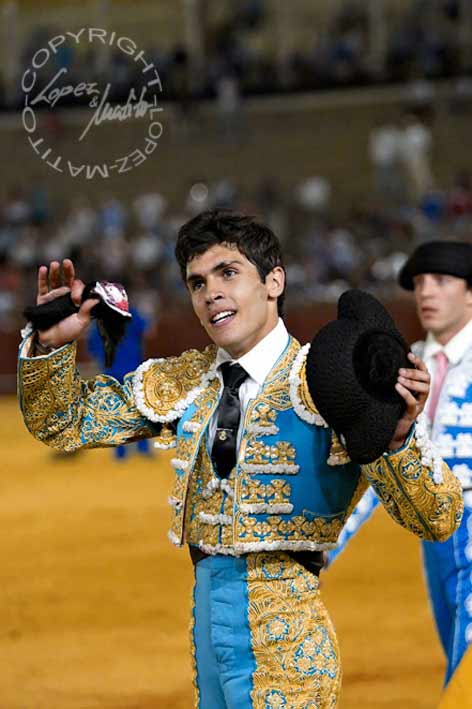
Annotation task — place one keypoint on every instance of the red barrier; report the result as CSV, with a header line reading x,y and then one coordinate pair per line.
x,y
179,329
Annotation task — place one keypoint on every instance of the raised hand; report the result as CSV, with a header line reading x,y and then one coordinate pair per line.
x,y
413,386
51,285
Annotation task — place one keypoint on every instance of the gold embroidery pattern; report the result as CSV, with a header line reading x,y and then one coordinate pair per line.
x,y
180,484
168,381
276,392
219,502
304,392
227,538
264,415
409,494
296,529
262,412
185,451
196,692
195,530
292,637
258,453
254,492
68,413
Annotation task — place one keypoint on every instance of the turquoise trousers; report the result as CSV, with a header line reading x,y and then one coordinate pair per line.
x,y
261,636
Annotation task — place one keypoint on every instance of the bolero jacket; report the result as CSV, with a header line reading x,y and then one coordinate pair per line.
x,y
293,486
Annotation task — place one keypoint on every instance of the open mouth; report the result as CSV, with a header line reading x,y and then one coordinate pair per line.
x,y
222,318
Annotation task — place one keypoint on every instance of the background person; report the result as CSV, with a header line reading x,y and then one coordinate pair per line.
x,y
129,354
440,275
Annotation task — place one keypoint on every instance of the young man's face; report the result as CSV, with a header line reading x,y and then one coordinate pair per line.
x,y
444,304
232,303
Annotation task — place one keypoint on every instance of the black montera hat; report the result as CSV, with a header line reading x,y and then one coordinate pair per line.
x,y
352,368
453,258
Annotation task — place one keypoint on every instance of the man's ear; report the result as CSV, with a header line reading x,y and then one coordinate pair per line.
x,y
275,282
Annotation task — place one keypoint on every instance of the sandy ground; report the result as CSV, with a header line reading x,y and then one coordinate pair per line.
x,y
95,600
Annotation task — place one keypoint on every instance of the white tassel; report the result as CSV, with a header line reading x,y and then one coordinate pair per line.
x,y
215,520
216,549
165,446
179,464
213,485
27,330
247,547
174,539
267,508
271,468
191,426
226,487
263,430
430,456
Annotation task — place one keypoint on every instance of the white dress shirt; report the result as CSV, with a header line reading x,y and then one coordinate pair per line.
x,y
454,350
257,362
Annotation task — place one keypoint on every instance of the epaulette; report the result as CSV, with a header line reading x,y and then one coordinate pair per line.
x,y
164,388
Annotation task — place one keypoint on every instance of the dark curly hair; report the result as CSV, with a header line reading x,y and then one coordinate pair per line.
x,y
256,241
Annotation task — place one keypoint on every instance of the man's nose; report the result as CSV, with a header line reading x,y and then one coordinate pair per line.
x,y
427,287
213,294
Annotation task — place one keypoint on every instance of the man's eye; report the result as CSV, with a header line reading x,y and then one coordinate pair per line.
x,y
197,285
229,272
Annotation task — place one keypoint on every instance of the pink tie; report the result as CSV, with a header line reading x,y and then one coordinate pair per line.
x,y
442,364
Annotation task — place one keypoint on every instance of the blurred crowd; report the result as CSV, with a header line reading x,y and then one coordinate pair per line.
x,y
326,252
421,43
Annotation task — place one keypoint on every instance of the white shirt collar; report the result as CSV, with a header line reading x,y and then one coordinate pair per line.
x,y
259,361
455,348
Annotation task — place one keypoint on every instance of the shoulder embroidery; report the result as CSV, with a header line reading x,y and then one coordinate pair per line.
x,y
299,394
163,388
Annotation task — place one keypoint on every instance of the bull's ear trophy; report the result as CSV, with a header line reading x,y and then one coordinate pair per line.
x,y
111,312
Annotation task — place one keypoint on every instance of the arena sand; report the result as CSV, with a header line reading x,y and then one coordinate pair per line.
x,y
95,601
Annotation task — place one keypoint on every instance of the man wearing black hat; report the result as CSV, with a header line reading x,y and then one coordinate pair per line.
x,y
440,275
262,482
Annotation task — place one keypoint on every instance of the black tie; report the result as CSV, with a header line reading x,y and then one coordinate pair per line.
x,y
223,453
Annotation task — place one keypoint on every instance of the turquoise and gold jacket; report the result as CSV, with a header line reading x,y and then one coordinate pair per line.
x,y
293,486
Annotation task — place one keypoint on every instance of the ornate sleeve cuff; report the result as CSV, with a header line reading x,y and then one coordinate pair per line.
x,y
28,342
411,491
430,456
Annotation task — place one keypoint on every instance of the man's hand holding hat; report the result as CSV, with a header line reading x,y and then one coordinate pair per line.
x,y
363,380
413,387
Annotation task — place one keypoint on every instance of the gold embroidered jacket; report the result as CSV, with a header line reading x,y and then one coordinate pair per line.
x,y
293,486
